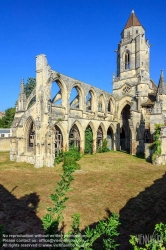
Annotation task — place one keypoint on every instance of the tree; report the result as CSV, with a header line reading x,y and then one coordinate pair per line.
x,y
29,86
8,118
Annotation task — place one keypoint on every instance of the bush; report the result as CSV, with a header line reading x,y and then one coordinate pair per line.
x,y
156,242
70,163
59,158
54,218
156,146
74,152
88,141
104,147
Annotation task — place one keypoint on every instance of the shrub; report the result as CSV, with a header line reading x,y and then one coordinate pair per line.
x,y
59,158
54,217
157,241
73,152
88,141
108,228
104,147
70,163
156,145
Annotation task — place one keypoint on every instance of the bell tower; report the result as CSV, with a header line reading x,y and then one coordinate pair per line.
x,y
133,51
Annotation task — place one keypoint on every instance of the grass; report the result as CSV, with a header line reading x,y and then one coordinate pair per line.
x,y
114,181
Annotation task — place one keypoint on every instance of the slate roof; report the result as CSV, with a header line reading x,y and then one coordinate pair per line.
x,y
153,85
162,85
4,131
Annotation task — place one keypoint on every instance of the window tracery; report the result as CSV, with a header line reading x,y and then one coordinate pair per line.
x,y
147,136
126,89
58,141
74,137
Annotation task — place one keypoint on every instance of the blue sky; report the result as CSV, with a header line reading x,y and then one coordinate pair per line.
x,y
77,36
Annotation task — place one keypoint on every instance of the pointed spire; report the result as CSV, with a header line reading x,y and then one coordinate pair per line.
x,y
162,86
22,86
162,74
132,21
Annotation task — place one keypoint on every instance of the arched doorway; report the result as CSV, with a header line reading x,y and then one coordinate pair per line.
x,y
110,138
125,129
88,140
31,137
74,137
99,139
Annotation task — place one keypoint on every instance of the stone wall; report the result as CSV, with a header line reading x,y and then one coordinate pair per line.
x,y
5,144
148,152
161,160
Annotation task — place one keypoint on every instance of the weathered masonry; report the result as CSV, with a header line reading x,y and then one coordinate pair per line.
x,y
50,121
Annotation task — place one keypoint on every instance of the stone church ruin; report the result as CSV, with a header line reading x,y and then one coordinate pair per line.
x,y
47,123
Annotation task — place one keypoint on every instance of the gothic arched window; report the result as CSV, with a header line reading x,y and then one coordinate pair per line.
x,y
89,101
58,141
56,93
127,60
101,106
74,137
99,139
75,98
110,106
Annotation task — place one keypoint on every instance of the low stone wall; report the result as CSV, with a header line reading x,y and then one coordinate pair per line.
x,y
161,160
5,144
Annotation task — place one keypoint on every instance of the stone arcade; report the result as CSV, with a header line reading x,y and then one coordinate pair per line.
x,y
46,124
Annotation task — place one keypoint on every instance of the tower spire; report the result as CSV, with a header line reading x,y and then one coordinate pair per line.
x,y
162,86
132,21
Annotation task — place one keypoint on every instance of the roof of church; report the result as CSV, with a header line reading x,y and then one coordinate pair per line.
x,y
153,85
4,130
132,21
147,103
162,86
150,101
